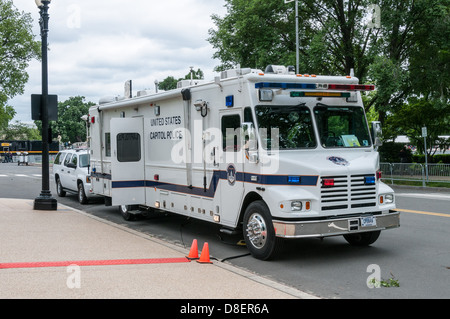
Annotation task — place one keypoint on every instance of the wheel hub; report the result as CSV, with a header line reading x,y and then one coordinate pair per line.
x,y
257,231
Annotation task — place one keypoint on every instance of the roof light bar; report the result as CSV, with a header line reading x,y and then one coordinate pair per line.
x,y
313,86
282,85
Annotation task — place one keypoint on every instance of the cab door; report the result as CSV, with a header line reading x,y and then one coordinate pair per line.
x,y
127,161
231,166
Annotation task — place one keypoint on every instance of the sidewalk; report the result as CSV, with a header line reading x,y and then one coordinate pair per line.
x,y
67,235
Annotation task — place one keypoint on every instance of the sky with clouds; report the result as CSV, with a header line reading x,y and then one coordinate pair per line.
x,y
95,46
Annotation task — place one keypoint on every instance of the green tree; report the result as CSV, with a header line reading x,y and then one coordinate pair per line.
x,y
254,33
414,79
20,131
70,126
17,49
170,83
334,36
405,52
413,33
414,115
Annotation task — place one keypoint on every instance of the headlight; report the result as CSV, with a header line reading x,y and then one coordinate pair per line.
x,y
389,198
386,199
296,205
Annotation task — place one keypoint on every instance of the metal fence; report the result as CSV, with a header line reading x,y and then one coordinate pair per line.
x,y
415,172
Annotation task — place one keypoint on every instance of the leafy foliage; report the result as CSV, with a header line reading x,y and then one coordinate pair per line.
x,y
17,49
20,131
70,126
170,82
405,53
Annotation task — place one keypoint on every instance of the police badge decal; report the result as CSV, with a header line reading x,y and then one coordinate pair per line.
x,y
338,160
231,174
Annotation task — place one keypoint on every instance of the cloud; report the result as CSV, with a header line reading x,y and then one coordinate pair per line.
x,y
95,46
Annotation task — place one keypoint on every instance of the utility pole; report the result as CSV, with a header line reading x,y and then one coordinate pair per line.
x,y
297,45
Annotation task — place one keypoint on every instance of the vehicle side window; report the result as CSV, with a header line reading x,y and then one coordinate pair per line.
x,y
108,144
128,147
67,160
231,132
74,160
59,158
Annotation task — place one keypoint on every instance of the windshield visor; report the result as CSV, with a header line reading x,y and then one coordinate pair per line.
x,y
342,127
285,127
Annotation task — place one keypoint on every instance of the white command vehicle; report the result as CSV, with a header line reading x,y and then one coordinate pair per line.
x,y
273,154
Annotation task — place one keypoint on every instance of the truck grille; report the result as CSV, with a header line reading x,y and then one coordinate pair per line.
x,y
348,192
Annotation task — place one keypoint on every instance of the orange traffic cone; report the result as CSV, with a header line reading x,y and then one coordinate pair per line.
x,y
204,256
193,253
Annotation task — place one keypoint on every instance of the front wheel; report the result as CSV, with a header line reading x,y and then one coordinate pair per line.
x,y
362,239
82,199
59,188
259,233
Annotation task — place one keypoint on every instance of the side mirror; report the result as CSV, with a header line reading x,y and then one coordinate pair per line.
x,y
250,142
377,132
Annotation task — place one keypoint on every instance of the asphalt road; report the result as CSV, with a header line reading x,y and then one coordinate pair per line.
x,y
416,255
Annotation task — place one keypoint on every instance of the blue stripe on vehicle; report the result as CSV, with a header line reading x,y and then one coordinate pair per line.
x,y
305,180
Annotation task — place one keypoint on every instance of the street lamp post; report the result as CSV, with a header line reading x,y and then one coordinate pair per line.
x,y
44,201
297,45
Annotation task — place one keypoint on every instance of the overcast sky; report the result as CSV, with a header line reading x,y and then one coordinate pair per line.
x,y
95,46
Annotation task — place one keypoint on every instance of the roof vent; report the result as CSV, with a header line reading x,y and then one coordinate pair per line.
x,y
276,69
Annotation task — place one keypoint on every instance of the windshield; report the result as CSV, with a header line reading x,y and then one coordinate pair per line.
x,y
285,127
84,160
342,126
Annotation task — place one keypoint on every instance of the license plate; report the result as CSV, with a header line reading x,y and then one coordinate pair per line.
x,y
368,221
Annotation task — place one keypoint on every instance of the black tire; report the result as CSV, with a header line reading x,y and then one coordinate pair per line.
x,y
258,231
59,189
125,212
362,239
82,198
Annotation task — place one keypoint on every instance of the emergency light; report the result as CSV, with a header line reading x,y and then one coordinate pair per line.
x,y
281,85
229,101
319,94
351,87
314,86
369,180
328,182
294,179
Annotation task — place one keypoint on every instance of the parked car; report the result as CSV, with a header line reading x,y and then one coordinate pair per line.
x,y
71,171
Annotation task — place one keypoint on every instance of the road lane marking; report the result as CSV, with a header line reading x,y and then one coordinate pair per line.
x,y
421,212
425,196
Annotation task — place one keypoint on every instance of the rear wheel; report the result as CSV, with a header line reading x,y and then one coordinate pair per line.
x,y
125,212
362,239
259,233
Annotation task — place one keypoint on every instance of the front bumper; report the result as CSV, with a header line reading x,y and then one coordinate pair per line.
x,y
334,226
